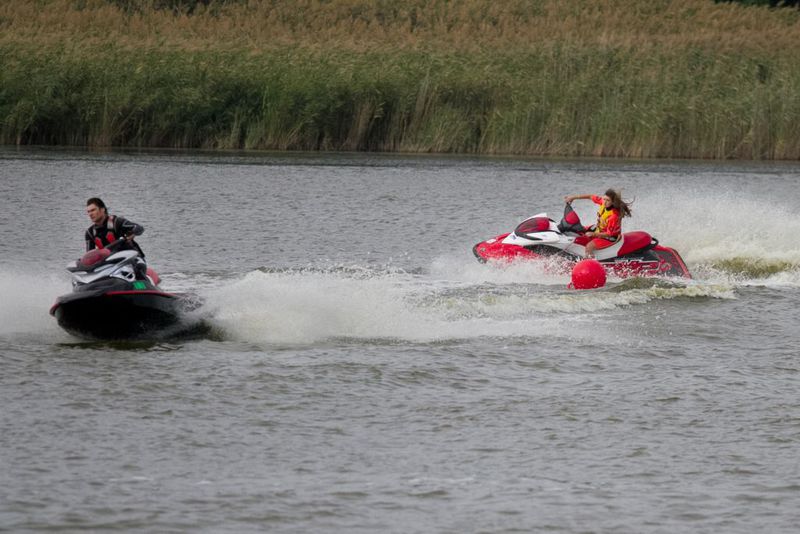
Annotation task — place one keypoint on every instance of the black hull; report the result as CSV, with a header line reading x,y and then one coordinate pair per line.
x,y
119,315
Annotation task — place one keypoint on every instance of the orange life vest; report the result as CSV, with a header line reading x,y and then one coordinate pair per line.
x,y
603,215
608,220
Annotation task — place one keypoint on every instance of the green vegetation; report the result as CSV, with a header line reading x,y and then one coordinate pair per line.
x,y
606,78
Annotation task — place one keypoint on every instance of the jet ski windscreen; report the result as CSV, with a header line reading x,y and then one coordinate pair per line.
x,y
533,225
93,257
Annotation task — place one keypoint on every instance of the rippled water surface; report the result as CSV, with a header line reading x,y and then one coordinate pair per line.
x,y
361,372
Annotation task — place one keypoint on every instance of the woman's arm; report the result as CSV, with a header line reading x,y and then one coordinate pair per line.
x,y
569,198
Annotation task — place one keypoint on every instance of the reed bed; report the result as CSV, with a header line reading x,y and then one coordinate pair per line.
x,y
688,79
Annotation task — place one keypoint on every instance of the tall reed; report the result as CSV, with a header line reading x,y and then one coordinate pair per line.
x,y
648,79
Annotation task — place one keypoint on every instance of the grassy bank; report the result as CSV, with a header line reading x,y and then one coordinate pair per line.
x,y
628,78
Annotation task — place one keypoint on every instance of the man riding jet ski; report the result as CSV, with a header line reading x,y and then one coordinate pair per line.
x,y
106,228
539,238
115,295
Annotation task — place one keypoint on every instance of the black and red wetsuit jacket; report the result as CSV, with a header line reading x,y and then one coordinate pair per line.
x,y
99,236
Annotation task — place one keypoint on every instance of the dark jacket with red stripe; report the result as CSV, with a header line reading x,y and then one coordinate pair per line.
x,y
99,236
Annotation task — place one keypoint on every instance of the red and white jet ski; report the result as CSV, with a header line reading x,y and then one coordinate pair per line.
x,y
540,238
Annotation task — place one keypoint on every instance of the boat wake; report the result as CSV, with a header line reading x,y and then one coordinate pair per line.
x,y
728,238
453,298
307,306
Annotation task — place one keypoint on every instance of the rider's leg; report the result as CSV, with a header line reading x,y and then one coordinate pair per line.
x,y
590,248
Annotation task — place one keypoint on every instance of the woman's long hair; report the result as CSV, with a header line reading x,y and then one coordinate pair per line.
x,y
618,204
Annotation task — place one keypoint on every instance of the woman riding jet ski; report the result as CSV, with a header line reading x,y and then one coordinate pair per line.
x,y
116,296
539,237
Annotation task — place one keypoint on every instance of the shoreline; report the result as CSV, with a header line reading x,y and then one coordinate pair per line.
x,y
258,155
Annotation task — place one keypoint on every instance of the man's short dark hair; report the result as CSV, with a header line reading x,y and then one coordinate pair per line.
x,y
97,202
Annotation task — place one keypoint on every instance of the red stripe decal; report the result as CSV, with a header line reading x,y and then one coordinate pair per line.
x,y
140,292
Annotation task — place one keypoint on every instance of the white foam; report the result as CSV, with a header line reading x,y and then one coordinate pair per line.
x,y
712,229
468,270
304,307
26,302
783,280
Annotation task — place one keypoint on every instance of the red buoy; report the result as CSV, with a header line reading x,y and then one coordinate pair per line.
x,y
588,274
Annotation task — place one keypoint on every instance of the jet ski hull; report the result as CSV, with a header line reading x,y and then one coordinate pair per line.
x,y
126,314
656,260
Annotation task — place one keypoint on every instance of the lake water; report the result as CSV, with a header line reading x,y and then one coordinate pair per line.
x,y
363,373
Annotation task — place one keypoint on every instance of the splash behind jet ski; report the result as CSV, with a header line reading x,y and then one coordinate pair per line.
x,y
541,238
116,296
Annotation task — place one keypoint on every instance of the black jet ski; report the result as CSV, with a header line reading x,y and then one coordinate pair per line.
x,y
116,296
